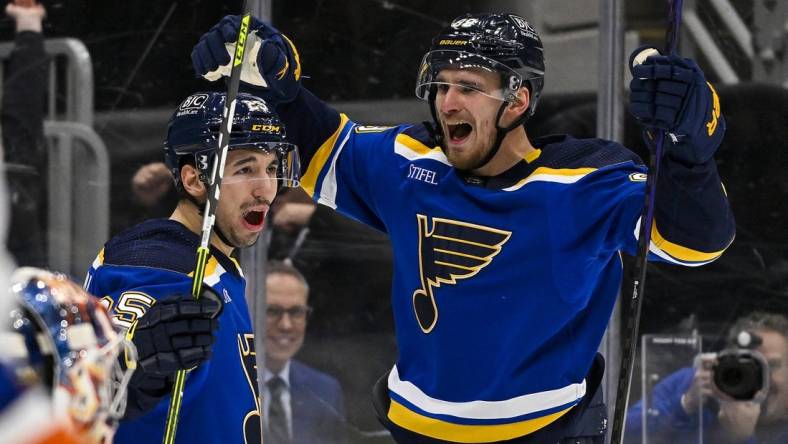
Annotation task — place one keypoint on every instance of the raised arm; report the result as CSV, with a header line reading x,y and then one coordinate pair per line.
x,y
272,72
693,221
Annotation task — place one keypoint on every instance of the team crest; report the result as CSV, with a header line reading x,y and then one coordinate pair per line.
x,y
450,251
253,427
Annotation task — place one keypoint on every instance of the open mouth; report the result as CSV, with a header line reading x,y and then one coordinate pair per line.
x,y
254,219
459,131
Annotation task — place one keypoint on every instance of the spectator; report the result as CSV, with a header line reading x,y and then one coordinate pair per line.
x,y
24,146
301,404
153,189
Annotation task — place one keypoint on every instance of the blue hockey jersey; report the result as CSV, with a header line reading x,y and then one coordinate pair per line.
x,y
502,286
155,260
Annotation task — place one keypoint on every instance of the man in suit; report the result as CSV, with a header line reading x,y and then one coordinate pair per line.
x,y
301,405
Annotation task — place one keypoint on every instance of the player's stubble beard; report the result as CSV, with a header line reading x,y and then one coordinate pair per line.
x,y
235,235
475,150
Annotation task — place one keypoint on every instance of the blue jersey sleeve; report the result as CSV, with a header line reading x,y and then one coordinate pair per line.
x,y
693,221
344,165
693,224
129,291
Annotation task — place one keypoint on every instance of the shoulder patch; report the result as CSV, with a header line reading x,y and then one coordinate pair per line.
x,y
638,177
363,129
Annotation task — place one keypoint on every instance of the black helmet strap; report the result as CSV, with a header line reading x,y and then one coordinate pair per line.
x,y
435,127
501,133
216,229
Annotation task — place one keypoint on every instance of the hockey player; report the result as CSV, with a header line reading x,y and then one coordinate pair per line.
x,y
60,376
507,249
143,274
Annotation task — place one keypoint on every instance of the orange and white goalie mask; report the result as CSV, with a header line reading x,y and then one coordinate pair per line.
x,y
61,337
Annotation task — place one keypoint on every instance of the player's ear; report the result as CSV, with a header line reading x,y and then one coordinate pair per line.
x,y
190,178
523,100
520,106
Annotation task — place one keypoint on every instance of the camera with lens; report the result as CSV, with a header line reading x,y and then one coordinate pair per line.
x,y
740,371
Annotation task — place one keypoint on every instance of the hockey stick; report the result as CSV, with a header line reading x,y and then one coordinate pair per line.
x,y
209,217
655,142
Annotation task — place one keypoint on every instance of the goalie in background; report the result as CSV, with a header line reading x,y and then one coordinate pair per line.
x,y
63,366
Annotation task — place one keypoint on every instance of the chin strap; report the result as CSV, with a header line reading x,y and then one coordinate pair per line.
x,y
216,229
500,134
434,127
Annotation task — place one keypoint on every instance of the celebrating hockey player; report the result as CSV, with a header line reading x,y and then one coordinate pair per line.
x,y
144,275
507,249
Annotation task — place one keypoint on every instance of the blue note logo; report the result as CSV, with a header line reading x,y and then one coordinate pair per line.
x,y
449,251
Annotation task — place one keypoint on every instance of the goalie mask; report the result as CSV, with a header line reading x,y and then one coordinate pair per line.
x,y
504,44
193,136
62,338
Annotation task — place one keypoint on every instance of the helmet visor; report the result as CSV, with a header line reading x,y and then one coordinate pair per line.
x,y
434,62
285,166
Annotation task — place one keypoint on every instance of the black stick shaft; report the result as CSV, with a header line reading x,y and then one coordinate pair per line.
x,y
644,240
212,202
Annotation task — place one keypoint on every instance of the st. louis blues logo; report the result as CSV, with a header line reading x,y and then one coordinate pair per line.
x,y
253,427
451,250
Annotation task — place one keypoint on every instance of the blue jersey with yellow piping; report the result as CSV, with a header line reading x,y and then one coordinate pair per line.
x,y
502,286
155,260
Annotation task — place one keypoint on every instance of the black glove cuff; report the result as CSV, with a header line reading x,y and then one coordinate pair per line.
x,y
145,390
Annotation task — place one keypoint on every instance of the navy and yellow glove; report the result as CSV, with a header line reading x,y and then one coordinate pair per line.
x,y
670,93
176,333
273,70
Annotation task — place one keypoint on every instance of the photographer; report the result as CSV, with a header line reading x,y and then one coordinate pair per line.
x,y
676,400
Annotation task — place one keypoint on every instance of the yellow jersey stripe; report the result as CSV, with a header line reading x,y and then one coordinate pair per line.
x,y
558,175
309,180
237,266
517,407
414,144
412,149
99,261
213,271
436,428
533,155
680,252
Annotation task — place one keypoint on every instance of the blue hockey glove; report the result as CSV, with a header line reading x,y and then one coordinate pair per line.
x,y
274,68
670,93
